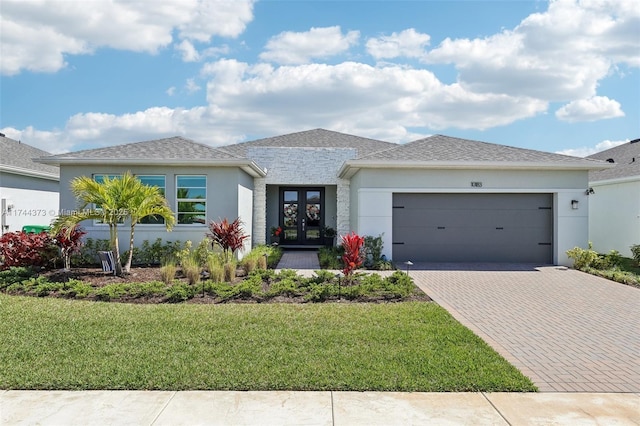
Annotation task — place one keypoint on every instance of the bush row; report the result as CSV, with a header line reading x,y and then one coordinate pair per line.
x,y
259,286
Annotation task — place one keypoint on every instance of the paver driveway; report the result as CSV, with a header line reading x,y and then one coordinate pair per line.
x,y
567,330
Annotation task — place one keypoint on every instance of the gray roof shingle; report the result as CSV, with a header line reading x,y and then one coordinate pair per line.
x,y
439,148
626,158
316,138
168,149
15,155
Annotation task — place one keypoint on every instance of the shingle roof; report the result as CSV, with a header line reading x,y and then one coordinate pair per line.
x,y
449,149
316,138
167,149
18,157
626,159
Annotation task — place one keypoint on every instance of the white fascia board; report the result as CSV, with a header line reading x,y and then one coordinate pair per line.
x,y
28,172
248,166
350,168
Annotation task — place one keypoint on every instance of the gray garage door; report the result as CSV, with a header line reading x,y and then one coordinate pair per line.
x,y
473,228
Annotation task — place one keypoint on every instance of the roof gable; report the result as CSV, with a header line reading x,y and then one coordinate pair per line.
x,y
17,157
626,162
316,138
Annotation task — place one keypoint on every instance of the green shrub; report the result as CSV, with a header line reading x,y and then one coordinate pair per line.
x,y
372,250
635,251
146,289
111,292
249,264
15,274
88,255
330,257
179,292
285,287
76,289
321,292
583,258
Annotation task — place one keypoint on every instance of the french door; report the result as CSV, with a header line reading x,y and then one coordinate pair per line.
x,y
301,215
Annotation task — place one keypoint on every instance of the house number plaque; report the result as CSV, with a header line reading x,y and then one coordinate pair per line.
x,y
476,184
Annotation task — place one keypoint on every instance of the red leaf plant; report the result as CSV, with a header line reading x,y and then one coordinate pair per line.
x,y
229,236
26,249
69,241
353,256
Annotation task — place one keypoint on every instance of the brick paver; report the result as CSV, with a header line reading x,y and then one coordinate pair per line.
x,y
566,330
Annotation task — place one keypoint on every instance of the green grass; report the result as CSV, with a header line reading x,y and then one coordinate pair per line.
x,y
60,344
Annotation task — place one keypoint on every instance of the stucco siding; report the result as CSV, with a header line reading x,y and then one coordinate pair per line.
x,y
614,221
224,198
30,207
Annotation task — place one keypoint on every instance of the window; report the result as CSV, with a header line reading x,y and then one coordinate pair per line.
x,y
192,199
100,179
158,181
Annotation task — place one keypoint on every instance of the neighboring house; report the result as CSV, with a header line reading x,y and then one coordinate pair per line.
x,y
437,199
28,190
614,217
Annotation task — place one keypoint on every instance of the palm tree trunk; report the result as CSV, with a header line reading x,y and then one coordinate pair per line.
x,y
113,230
127,267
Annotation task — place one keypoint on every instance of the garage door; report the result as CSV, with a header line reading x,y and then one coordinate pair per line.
x,y
473,228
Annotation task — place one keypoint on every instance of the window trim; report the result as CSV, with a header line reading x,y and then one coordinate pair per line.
x,y
164,189
187,200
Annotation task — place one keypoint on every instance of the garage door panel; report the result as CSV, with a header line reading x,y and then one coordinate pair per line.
x,y
473,227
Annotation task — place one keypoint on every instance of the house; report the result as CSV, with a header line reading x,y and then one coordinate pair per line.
x,y
28,190
438,199
614,218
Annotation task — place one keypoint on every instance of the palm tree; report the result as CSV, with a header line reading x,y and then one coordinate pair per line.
x,y
111,202
146,201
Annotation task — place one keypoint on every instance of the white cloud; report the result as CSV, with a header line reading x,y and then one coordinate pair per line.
x,y
557,55
37,35
171,91
585,151
299,48
191,86
409,43
188,51
592,109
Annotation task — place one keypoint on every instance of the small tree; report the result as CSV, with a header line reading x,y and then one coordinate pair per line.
x,y
112,201
353,256
69,241
229,236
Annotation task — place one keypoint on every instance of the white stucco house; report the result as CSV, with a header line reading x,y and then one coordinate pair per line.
x,y
614,219
440,199
28,190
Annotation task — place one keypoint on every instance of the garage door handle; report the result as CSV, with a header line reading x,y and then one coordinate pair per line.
x,y
440,227
499,227
544,244
398,244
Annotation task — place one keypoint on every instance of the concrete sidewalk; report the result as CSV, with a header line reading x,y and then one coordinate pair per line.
x,y
315,408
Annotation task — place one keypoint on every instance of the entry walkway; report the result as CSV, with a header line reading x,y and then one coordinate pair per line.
x,y
299,259
566,330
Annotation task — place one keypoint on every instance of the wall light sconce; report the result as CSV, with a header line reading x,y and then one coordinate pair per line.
x,y
590,191
574,204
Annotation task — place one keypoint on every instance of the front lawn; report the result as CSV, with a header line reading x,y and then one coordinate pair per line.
x,y
50,343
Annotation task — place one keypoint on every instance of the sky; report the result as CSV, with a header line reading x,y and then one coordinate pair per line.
x,y
560,76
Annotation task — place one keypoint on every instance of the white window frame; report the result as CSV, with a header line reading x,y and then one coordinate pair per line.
x,y
191,200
